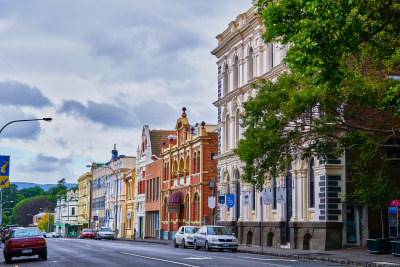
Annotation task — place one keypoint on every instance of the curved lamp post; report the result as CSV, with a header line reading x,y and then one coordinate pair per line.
x,y
44,119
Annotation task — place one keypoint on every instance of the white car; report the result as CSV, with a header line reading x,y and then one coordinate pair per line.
x,y
185,235
213,236
52,234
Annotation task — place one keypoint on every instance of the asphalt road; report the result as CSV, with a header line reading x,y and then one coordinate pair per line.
x,y
78,252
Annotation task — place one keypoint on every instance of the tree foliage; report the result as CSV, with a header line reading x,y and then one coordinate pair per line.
x,y
43,225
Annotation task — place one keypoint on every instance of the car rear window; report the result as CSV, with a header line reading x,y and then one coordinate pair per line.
x,y
191,230
26,232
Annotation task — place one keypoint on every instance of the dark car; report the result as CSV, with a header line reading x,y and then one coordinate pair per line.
x,y
5,231
25,242
87,233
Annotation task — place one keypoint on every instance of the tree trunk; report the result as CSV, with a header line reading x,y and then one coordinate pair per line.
x,y
383,228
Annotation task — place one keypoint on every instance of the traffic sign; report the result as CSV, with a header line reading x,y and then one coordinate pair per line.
x,y
4,171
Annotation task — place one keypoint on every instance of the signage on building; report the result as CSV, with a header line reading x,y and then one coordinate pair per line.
x,y
267,196
211,202
281,195
4,171
246,199
173,208
157,220
230,200
221,200
95,218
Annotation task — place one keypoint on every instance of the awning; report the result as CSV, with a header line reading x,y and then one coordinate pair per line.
x,y
175,199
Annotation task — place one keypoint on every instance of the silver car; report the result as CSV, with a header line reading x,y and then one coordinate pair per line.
x,y
185,236
104,233
212,236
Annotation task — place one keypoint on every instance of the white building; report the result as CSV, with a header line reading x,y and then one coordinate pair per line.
x,y
66,215
303,219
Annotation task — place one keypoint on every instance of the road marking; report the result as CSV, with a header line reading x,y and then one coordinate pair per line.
x,y
156,259
266,263
197,258
105,249
387,263
265,259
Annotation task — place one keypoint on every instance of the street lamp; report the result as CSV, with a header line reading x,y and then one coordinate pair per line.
x,y
48,217
1,207
44,119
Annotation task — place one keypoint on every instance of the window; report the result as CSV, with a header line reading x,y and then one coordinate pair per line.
x,y
270,56
236,73
212,156
274,193
196,208
227,133
253,198
226,78
311,183
250,63
72,211
237,125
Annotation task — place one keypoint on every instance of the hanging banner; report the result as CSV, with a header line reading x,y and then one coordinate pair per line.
x,y
267,196
4,171
230,200
221,200
246,199
281,195
211,202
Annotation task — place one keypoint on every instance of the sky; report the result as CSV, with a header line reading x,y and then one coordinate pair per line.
x,y
101,70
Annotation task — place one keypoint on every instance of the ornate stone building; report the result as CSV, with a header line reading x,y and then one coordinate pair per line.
x,y
306,209
189,173
84,200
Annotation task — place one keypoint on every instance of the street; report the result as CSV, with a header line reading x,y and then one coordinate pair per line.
x,y
78,252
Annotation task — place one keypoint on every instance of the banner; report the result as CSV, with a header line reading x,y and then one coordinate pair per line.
x,y
230,200
221,200
211,202
267,196
281,195
246,199
4,171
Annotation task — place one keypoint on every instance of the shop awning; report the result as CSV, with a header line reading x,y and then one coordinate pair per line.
x,y
175,199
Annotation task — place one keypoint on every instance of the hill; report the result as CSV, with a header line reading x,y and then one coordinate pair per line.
x,y
45,187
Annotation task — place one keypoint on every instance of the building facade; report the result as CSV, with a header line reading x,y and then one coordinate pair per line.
x,y
152,199
129,181
147,152
84,200
188,174
66,215
98,195
306,210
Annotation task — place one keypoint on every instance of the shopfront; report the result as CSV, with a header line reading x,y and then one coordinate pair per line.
x,y
394,216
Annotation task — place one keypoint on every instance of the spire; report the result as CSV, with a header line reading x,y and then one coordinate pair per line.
x,y
114,153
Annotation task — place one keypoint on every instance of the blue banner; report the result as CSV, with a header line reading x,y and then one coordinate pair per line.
x,y
221,200
230,201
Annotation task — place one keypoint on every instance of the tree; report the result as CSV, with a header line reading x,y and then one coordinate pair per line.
x,y
21,211
61,182
43,225
32,191
336,96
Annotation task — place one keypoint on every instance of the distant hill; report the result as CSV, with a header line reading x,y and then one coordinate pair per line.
x,y
45,187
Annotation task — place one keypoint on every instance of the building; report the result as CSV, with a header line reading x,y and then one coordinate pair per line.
x,y
129,181
189,172
98,195
37,217
115,192
66,215
84,200
152,199
149,151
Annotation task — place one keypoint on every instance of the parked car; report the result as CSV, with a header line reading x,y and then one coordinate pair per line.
x,y
212,236
52,234
87,233
44,234
104,233
5,231
185,236
25,242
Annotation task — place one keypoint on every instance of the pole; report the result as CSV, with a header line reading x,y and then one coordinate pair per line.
x,y
1,207
48,220
262,215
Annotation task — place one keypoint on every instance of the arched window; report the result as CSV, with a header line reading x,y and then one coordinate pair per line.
x,y
237,125
227,132
311,183
270,56
187,209
226,79
198,162
164,210
250,63
196,207
236,73
194,163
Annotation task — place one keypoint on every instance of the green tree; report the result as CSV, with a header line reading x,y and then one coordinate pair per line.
x,y
337,96
43,225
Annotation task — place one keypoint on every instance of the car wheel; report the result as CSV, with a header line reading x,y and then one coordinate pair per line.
x,y
196,247
7,258
234,250
206,246
43,255
175,244
221,249
184,243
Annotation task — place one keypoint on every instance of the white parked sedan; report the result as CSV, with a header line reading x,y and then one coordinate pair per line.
x,y
212,236
185,236
52,234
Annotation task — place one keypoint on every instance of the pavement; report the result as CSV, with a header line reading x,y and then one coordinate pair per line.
x,y
347,256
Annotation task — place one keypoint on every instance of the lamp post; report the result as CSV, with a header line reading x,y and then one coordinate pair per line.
x,y
1,207
43,119
48,218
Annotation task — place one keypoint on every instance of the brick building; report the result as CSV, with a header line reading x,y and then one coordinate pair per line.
x,y
152,199
188,175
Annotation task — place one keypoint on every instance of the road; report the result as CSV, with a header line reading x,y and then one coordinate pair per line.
x,y
78,252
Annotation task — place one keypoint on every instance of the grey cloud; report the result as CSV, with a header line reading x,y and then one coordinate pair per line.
x,y
121,115
62,143
43,163
19,94
18,130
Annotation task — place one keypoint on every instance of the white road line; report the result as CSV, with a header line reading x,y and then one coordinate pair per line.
x,y
265,263
105,249
156,259
265,259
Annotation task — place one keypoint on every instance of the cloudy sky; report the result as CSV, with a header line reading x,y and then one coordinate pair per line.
x,y
102,69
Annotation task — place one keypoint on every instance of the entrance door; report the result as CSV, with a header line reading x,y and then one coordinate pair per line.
x,y
351,227
140,227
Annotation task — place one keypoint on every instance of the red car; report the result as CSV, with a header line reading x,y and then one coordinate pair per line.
x,y
87,233
25,242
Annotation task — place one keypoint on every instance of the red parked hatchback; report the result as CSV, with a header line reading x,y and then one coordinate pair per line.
x,y
25,242
87,233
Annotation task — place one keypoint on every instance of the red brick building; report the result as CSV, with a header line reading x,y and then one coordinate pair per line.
x,y
189,176
152,199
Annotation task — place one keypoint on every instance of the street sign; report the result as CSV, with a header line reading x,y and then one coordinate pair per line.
x,y
267,196
211,202
4,171
246,199
230,200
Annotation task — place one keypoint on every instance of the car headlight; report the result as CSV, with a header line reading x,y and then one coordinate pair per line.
x,y
189,237
213,239
234,239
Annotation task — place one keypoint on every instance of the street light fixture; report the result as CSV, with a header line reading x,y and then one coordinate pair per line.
x,y
1,207
44,119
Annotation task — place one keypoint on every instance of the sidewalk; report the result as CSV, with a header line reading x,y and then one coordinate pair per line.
x,y
349,256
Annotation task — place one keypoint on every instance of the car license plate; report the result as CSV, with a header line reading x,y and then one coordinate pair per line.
x,y
226,245
27,251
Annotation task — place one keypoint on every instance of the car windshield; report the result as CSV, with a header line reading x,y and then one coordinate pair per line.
x,y
105,229
26,232
191,230
87,230
218,231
